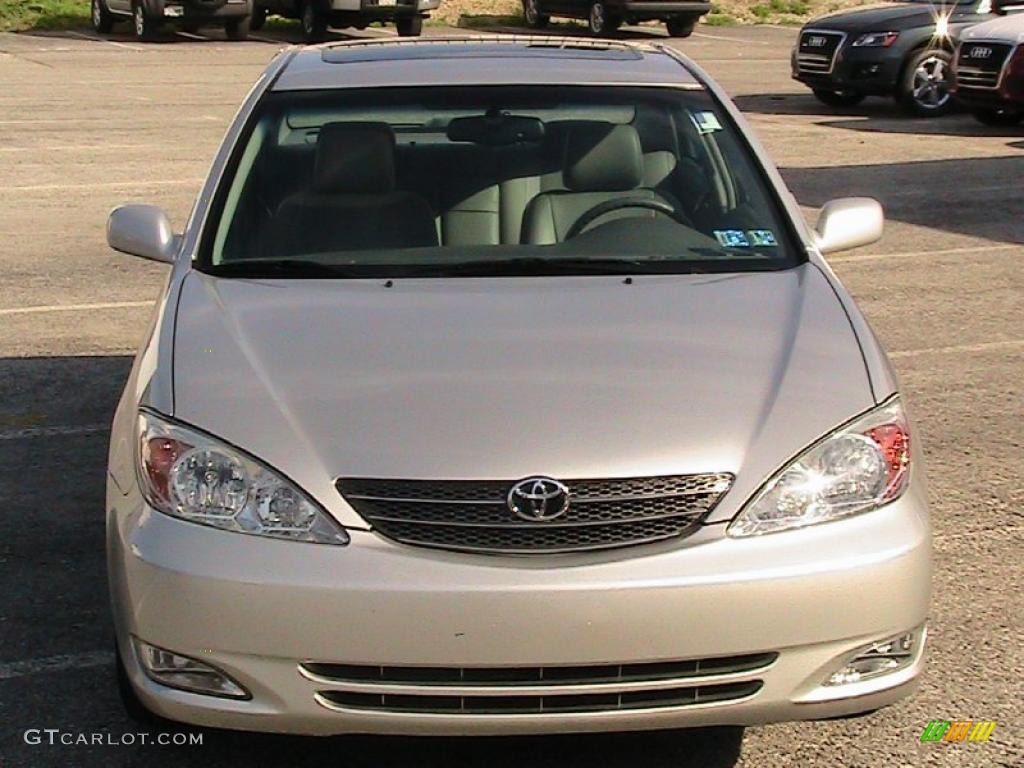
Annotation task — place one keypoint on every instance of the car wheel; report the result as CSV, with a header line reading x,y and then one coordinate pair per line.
x,y
102,20
999,118
146,27
680,26
534,18
411,26
237,29
924,90
839,98
258,19
600,21
314,23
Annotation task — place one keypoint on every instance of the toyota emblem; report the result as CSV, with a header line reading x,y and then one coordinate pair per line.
x,y
538,499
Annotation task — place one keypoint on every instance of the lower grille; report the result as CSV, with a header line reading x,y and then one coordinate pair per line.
x,y
536,690
980,65
475,516
816,51
536,705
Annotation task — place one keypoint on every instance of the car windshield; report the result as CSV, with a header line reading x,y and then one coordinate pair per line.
x,y
468,181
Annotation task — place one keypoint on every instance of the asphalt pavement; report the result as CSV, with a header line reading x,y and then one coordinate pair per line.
x,y
87,123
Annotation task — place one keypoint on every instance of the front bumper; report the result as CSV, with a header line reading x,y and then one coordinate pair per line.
x,y
257,608
874,71
655,9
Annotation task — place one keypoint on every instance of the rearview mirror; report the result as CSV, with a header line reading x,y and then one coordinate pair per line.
x,y
849,222
142,230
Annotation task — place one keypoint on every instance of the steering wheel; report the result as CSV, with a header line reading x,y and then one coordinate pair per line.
x,y
608,206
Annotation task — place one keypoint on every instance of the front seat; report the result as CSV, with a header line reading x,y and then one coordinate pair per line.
x,y
602,162
352,203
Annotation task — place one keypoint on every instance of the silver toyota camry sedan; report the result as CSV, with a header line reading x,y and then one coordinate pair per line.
x,y
498,386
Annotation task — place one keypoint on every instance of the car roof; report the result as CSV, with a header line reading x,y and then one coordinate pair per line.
x,y
483,60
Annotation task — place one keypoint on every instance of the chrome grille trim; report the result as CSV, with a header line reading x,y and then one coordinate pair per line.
x,y
473,516
989,75
815,63
535,690
505,706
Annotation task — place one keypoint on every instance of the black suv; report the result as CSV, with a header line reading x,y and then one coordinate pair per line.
x,y
901,50
148,16
605,16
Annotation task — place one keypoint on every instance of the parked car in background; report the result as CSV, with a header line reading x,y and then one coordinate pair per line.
x,y
902,50
317,15
498,387
606,16
988,70
148,17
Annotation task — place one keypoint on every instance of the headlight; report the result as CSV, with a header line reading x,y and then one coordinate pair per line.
x,y
190,475
876,40
855,469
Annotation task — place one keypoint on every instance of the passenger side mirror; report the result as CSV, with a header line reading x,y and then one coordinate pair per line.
x,y
142,230
849,222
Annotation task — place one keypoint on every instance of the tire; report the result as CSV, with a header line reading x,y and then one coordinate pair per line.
x,y
680,26
102,19
410,26
839,98
146,27
924,87
258,19
600,21
532,15
314,23
238,29
997,118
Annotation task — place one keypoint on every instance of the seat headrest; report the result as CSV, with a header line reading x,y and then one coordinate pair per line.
x,y
355,158
603,157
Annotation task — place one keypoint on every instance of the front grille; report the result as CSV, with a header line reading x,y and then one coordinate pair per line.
x,y
536,705
470,515
980,64
816,51
536,690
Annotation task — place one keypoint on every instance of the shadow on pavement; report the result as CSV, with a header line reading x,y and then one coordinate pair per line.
x,y
961,196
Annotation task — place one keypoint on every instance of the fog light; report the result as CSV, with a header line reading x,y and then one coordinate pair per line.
x,y
881,658
186,674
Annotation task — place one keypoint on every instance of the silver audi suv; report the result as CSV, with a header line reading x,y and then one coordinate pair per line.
x,y
498,386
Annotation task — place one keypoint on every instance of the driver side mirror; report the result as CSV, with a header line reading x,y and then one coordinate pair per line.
x,y
848,222
144,231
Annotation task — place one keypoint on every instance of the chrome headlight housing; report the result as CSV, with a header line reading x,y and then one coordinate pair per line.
x,y
190,475
854,469
876,40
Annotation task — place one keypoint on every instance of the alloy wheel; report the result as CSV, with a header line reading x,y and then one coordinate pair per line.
x,y
597,22
97,14
530,12
930,86
140,21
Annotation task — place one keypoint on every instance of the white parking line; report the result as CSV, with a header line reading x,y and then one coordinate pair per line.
x,y
984,346
730,39
104,40
39,309
55,431
914,254
65,663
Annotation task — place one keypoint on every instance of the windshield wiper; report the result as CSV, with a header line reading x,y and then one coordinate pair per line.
x,y
286,268
537,265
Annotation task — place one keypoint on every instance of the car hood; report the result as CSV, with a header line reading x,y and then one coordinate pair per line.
x,y
503,378
1007,29
893,17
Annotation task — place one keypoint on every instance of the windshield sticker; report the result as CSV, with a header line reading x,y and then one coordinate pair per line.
x,y
762,237
732,238
706,122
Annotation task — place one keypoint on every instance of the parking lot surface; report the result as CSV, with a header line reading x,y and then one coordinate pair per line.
x,y
86,124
